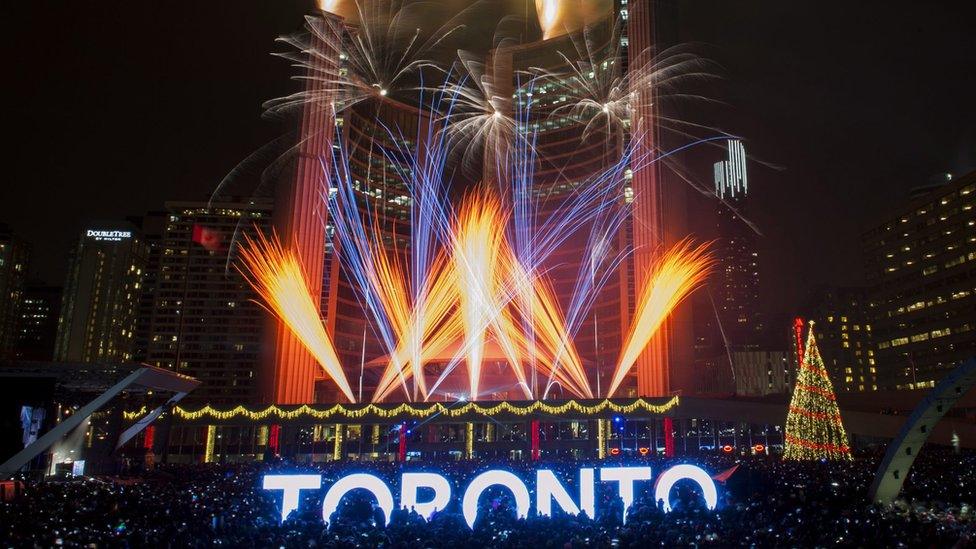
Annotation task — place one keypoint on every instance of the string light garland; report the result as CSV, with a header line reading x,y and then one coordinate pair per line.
x,y
418,411
814,429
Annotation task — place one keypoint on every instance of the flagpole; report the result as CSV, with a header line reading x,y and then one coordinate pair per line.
x,y
362,365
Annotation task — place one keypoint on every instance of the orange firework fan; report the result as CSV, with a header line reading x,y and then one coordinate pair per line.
x,y
678,272
276,275
479,250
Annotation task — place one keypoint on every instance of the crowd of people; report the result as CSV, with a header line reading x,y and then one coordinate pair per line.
x,y
765,502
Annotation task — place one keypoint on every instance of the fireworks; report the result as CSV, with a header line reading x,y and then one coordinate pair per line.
x,y
480,253
547,10
471,276
481,121
597,88
379,52
469,284
677,273
276,275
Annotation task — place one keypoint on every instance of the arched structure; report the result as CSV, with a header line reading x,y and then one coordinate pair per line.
x,y
916,430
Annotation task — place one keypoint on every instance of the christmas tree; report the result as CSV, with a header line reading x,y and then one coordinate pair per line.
x,y
813,427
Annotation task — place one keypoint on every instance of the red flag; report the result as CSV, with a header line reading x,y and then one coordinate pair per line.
x,y
208,238
724,475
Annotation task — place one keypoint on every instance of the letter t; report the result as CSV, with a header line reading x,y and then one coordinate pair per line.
x,y
626,477
291,485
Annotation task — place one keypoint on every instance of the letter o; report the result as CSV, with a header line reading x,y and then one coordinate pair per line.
x,y
667,480
469,504
384,497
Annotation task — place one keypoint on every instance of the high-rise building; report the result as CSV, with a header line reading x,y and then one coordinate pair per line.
x,y
921,270
566,157
101,295
845,337
647,225
727,315
761,373
14,255
731,176
153,229
205,322
289,371
656,219
37,327
735,284
626,38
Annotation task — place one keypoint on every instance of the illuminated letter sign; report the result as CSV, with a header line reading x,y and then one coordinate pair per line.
x,y
548,489
413,481
664,483
469,506
626,477
291,484
112,236
384,498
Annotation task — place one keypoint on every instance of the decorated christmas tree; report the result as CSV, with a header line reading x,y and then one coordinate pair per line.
x,y
813,427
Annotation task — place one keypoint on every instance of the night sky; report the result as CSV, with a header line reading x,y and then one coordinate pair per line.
x,y
114,107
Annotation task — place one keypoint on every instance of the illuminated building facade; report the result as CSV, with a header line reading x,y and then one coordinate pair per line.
x,y
101,295
660,215
289,372
735,285
727,313
657,205
649,231
14,255
204,321
731,175
845,337
657,220
921,270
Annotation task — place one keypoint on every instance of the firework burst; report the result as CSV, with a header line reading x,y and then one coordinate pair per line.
x,y
276,275
596,87
377,52
676,274
480,122
467,278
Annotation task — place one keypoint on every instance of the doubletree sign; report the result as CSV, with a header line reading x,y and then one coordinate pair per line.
x,y
113,236
548,490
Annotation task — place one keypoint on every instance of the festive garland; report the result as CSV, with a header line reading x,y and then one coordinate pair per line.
x,y
420,411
